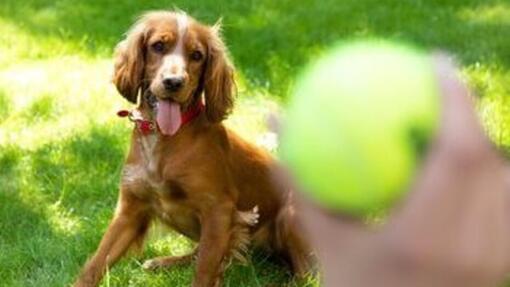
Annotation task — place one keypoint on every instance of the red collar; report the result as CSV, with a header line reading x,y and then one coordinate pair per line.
x,y
192,112
146,126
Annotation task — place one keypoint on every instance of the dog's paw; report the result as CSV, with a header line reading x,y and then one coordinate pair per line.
x,y
168,261
250,217
151,265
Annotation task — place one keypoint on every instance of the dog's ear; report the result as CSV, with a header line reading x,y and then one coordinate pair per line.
x,y
219,82
129,63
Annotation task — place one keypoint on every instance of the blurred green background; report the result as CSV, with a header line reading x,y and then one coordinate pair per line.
x,y
62,147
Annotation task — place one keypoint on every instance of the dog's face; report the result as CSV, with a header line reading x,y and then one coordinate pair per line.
x,y
175,58
176,54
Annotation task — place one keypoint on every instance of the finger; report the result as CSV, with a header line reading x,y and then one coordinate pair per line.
x,y
460,167
460,131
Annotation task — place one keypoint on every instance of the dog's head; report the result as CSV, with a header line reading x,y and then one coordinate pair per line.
x,y
177,59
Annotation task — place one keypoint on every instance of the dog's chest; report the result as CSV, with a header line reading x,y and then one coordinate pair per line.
x,y
150,159
167,199
144,172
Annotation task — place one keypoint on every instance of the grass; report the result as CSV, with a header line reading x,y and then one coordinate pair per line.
x,y
61,147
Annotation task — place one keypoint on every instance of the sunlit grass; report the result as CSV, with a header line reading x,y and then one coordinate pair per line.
x,y
51,99
18,44
63,220
489,83
495,14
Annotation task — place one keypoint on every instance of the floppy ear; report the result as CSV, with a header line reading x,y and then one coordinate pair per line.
x,y
129,63
218,78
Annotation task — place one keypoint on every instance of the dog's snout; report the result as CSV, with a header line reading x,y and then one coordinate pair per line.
x,y
173,83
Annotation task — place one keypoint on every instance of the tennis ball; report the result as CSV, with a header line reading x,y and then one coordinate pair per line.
x,y
358,124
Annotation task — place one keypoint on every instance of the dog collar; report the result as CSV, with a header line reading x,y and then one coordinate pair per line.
x,y
192,113
143,125
147,127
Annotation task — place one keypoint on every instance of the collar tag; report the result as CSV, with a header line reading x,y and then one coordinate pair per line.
x,y
144,126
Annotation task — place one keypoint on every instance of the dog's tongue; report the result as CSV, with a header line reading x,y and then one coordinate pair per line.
x,y
168,117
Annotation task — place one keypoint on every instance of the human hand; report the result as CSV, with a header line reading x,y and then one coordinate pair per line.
x,y
451,230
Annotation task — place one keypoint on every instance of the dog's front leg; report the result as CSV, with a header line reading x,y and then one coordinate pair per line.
x,y
127,227
216,224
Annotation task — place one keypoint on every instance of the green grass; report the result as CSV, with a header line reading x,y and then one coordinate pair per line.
x,y
61,146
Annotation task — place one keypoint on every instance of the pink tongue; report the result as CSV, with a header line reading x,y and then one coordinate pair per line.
x,y
168,117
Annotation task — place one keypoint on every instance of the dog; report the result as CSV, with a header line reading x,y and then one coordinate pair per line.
x,y
184,167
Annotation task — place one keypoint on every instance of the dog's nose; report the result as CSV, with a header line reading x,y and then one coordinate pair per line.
x,y
173,83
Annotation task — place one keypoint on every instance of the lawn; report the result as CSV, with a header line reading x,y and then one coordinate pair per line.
x,y
62,147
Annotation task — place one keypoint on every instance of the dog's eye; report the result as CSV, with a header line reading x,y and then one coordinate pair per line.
x,y
158,47
196,56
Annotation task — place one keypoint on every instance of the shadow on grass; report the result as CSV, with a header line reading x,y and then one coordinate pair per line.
x,y
33,254
271,40
54,203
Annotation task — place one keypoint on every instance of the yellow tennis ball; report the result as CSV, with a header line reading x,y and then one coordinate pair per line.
x,y
358,125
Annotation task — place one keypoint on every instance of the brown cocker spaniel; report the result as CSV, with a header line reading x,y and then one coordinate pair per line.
x,y
184,167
